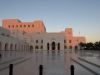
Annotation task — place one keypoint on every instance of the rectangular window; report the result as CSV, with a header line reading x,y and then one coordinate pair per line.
x,y
36,41
17,26
64,41
33,25
13,26
24,25
70,41
9,26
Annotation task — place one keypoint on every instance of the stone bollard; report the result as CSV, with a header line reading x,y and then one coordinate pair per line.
x,y
72,69
40,69
11,69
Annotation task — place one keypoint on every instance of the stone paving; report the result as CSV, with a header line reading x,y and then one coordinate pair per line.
x,y
54,63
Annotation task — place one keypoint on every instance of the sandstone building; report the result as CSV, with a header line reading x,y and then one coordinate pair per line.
x,y
34,36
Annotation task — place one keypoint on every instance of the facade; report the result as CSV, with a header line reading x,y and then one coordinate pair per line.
x,y
8,42
36,37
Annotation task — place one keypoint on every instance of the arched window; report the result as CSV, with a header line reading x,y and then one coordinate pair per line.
x,y
11,46
6,46
53,46
31,48
41,47
65,47
76,47
36,47
70,47
47,46
58,46
36,41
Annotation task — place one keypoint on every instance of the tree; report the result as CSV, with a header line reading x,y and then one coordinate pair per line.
x,y
82,45
89,46
97,45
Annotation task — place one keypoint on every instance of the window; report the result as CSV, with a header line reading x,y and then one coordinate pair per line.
x,y
13,26
24,25
20,25
17,26
65,47
2,34
70,41
64,41
41,41
36,41
70,47
9,26
33,25
36,47
28,25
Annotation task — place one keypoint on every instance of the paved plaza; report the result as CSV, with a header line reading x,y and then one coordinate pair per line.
x,y
54,63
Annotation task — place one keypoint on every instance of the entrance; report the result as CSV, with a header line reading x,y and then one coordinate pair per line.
x,y
53,46
31,48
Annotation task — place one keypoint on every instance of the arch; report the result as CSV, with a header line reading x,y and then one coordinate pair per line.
x,y
0,46
31,48
36,47
58,46
11,46
6,46
48,46
70,47
53,46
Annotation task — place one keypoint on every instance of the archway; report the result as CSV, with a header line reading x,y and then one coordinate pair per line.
x,y
58,46
53,46
47,46
6,46
31,48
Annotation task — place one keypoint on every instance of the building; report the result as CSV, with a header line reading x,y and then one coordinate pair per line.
x,y
35,35
8,42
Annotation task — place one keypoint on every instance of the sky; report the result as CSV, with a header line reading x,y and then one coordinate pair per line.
x,y
81,15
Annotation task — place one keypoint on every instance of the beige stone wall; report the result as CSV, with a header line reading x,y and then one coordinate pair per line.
x,y
29,32
10,42
29,27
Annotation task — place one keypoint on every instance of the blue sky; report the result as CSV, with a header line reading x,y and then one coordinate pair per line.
x,y
82,15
